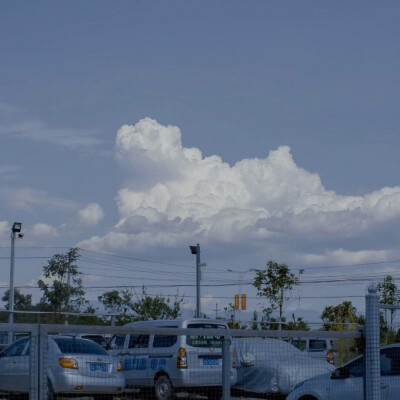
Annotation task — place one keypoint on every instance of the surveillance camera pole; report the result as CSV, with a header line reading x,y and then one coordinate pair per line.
x,y
11,291
196,250
198,278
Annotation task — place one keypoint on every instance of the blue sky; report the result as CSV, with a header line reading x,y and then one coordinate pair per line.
x,y
240,80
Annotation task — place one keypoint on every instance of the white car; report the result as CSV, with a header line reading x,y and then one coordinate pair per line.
x,y
271,366
346,382
75,366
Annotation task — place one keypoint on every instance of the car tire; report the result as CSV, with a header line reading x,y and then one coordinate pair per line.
x,y
163,388
307,397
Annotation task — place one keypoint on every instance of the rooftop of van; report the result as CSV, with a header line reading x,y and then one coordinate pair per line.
x,y
176,323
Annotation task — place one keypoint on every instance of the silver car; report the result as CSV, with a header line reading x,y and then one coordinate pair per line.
x,y
346,382
74,366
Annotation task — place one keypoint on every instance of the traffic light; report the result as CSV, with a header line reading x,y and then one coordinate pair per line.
x,y
236,303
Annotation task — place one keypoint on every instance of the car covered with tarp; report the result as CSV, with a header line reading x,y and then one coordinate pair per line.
x,y
266,365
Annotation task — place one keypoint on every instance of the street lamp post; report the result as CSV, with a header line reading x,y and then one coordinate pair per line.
x,y
15,232
196,250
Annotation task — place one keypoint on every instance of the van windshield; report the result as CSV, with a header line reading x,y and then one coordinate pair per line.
x,y
205,340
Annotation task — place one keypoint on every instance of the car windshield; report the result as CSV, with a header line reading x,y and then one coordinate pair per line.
x,y
79,346
300,344
205,340
96,338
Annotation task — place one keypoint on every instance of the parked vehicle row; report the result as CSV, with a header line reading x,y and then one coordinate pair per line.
x,y
79,364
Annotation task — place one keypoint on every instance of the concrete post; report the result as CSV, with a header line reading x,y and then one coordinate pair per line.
x,y
33,366
42,363
372,374
226,368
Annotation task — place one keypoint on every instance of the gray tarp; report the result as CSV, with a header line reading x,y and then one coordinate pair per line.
x,y
267,365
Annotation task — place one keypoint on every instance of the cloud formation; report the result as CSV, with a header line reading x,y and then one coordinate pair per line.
x,y
28,198
177,194
42,230
14,123
91,215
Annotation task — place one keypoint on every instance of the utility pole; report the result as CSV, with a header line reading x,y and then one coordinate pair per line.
x,y
196,250
15,232
69,289
216,310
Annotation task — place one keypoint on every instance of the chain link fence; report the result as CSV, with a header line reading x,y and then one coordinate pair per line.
x,y
161,360
202,358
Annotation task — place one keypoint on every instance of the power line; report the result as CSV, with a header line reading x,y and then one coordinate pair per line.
x,y
137,259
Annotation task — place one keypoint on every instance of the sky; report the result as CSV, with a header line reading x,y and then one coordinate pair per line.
x,y
261,130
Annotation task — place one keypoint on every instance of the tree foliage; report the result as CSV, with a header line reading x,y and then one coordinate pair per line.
x,y
343,317
274,284
22,302
134,307
340,315
390,294
63,289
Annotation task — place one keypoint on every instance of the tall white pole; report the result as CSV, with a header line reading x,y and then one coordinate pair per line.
x,y
11,290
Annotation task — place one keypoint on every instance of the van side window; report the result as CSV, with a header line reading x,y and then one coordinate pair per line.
x,y
138,341
119,341
164,340
317,345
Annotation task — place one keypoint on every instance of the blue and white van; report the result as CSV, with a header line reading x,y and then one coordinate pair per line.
x,y
170,362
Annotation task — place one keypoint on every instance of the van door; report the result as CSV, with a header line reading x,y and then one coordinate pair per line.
x,y
136,360
163,356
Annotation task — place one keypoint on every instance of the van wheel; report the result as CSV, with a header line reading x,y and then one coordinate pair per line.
x,y
163,388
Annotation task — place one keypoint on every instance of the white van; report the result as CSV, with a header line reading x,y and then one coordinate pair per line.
x,y
169,362
316,348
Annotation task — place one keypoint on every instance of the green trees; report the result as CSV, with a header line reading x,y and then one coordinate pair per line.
x,y
134,307
22,302
62,288
337,316
343,317
274,284
389,294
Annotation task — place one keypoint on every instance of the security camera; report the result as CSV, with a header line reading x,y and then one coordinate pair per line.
x,y
20,235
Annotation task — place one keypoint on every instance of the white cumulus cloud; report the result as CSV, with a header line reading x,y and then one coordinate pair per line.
x,y
42,230
175,194
4,229
91,215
